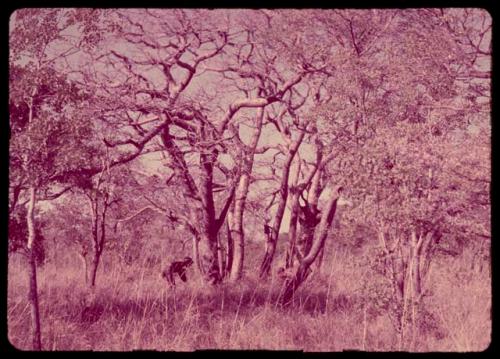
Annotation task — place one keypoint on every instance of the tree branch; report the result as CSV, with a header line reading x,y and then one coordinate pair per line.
x,y
222,216
128,218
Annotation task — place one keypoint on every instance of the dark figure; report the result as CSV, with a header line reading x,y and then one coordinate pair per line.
x,y
178,267
267,229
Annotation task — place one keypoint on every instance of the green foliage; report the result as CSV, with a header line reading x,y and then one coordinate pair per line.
x,y
50,133
57,139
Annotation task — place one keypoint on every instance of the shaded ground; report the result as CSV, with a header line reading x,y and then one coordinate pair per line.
x,y
328,314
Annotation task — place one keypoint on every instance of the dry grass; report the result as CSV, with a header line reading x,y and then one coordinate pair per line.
x,y
132,309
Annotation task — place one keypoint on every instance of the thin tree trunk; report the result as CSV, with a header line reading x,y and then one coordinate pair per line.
x,y
98,229
407,293
33,290
272,237
425,253
85,267
33,299
265,266
222,257
365,327
319,262
99,242
230,246
237,232
94,205
93,269
196,255
292,231
415,260
294,214
314,194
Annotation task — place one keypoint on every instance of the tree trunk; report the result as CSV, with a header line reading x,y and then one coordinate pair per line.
x,y
308,225
200,201
222,257
209,261
400,268
209,253
319,263
196,254
265,266
294,213
230,246
237,232
309,217
33,290
98,234
292,231
33,299
416,267
272,239
394,264
426,253
93,269
319,242
238,237
85,267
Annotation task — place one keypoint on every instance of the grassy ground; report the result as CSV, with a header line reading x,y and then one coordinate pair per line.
x,y
132,308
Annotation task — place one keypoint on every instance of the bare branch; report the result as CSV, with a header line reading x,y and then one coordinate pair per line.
x,y
222,216
52,196
142,210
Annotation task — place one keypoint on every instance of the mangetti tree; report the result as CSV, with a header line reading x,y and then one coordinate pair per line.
x,y
182,77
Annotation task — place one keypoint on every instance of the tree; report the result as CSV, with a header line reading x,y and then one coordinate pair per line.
x,y
101,197
43,105
235,230
370,89
190,121
316,246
